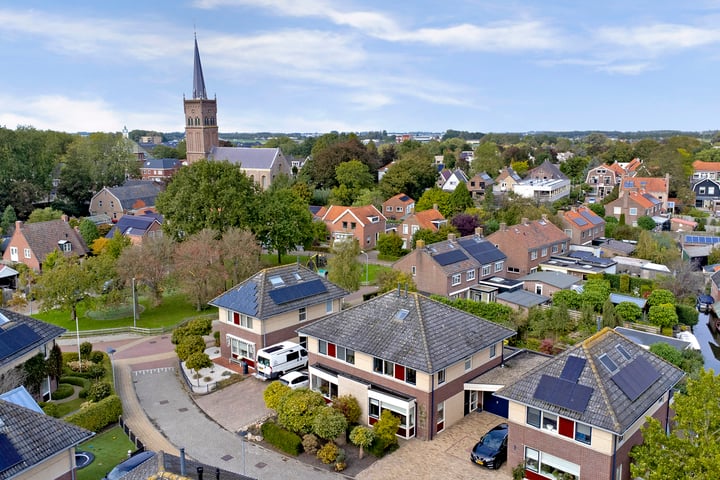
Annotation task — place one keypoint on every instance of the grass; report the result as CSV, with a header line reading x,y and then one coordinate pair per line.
x,y
373,271
110,448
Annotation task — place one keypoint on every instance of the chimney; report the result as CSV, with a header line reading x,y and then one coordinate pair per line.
x,y
435,206
524,221
420,243
479,231
503,226
451,237
182,461
18,224
544,217
64,218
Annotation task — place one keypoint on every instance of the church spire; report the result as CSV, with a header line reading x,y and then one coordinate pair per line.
x,y
198,79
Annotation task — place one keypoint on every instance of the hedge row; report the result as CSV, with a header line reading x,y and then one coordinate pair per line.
x,y
62,391
77,381
285,440
98,415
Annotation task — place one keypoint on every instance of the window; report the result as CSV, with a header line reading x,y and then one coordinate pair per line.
x,y
389,208
322,347
405,229
240,348
328,306
410,376
549,422
344,225
412,270
27,253
486,270
14,254
617,210
456,279
633,211
555,247
544,252
398,209
711,190
532,460
353,225
440,416
346,355
302,341
701,191
513,269
470,275
468,364
374,410
538,288
239,319
65,246
99,203
302,314
498,266
583,433
441,377
415,228
533,254
532,417
492,351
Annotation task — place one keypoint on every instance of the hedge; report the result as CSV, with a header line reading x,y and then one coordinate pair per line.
x,y
77,381
97,416
63,391
285,440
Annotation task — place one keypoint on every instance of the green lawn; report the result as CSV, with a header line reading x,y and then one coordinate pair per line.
x,y
110,448
373,271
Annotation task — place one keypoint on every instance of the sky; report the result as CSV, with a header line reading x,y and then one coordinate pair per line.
x,y
314,66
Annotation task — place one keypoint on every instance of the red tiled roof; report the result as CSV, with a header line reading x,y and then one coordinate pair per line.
x,y
426,217
700,166
334,212
533,234
580,214
649,184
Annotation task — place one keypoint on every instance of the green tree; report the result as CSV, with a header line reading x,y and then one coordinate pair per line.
x,y
298,408
285,222
668,353
35,373
44,215
7,223
344,267
197,361
362,437
390,244
487,158
208,194
64,285
570,298
598,209
435,196
88,231
274,393
349,407
355,175
328,423
150,264
189,345
660,296
664,316
341,195
386,428
326,160
412,174
459,200
390,279
646,223
628,311
595,292
691,450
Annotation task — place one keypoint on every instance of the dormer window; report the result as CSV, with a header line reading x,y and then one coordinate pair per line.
x,y
374,219
65,246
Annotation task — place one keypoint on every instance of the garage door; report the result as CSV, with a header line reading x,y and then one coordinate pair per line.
x,y
496,405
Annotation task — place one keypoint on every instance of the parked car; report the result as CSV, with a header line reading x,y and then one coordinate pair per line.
x,y
704,303
296,380
491,450
123,468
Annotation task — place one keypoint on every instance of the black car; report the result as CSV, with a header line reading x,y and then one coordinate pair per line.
x,y
491,450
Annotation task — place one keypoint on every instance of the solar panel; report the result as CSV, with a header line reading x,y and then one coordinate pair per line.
x,y
450,257
481,250
298,291
563,393
636,377
594,219
9,456
16,339
580,221
573,368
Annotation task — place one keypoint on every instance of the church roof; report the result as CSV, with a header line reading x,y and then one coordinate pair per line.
x,y
198,79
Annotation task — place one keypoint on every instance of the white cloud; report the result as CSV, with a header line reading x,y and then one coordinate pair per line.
x,y
660,38
628,68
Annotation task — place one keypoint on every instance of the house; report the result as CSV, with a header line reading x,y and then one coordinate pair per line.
x,y
137,227
639,267
455,178
398,206
546,191
404,352
453,267
546,171
365,224
479,183
21,338
582,225
658,187
707,194
648,339
548,282
262,165
8,277
634,205
579,413
32,242
267,308
678,224
715,285
37,446
604,178
430,219
580,264
134,196
528,244
522,300
160,169
506,181
703,170
609,247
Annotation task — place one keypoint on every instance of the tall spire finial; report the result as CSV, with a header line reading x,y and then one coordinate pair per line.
x,y
198,79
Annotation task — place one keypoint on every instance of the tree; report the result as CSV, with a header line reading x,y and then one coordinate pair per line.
x,y
684,282
412,174
240,253
197,361
327,159
646,223
7,223
344,268
274,393
44,215
660,296
55,362
64,285
355,175
391,279
459,200
465,223
35,373
435,197
430,237
598,209
691,450
349,407
628,311
362,437
201,270
207,194
570,298
595,292
297,410
328,423
664,316
487,158
667,352
390,244
188,345
386,428
149,263
285,222
88,231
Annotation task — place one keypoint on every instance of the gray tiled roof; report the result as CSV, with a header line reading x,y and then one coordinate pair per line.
x,y
523,298
162,163
431,337
608,408
45,331
262,158
43,238
128,194
29,434
253,296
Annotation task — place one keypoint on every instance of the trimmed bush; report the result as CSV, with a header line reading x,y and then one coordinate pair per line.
x,y
51,409
96,356
96,371
85,349
349,407
77,381
328,453
63,391
274,393
284,440
97,416
98,390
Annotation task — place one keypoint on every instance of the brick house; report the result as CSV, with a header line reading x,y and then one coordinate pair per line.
x,y
32,242
528,244
583,225
365,223
604,178
658,187
134,196
137,227
479,183
506,181
453,267
634,205
262,165
395,208
160,169
267,308
581,412
430,219
403,352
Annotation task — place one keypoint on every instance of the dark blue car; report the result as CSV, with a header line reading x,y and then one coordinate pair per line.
x,y
491,450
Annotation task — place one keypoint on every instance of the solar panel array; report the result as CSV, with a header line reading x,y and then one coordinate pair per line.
x,y
580,221
297,291
702,239
636,377
9,456
573,368
594,219
16,339
481,250
563,393
447,258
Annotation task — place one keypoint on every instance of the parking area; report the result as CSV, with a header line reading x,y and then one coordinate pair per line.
x,y
447,456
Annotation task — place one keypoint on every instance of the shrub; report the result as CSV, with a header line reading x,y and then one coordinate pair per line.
x,y
386,428
328,453
96,371
216,335
85,349
98,415
51,409
340,464
310,443
63,391
349,407
274,393
328,423
96,356
286,441
98,390
188,345
199,326
362,437
297,410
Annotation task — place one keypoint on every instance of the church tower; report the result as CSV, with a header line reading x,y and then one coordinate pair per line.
x,y
201,131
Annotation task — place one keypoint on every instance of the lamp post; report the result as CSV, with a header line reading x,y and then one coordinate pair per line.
x,y
367,261
134,304
111,352
77,332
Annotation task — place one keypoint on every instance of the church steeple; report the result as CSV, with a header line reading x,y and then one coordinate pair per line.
x,y
198,79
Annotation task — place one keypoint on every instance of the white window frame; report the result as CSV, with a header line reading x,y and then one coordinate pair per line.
x,y
468,364
486,270
440,417
441,377
405,229
632,211
470,275
347,355
499,266
533,254
302,314
456,279
493,350
27,253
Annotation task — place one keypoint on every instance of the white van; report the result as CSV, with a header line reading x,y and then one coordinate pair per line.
x,y
275,360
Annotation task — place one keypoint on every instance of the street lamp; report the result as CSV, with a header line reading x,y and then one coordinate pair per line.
x,y
367,261
111,352
134,304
